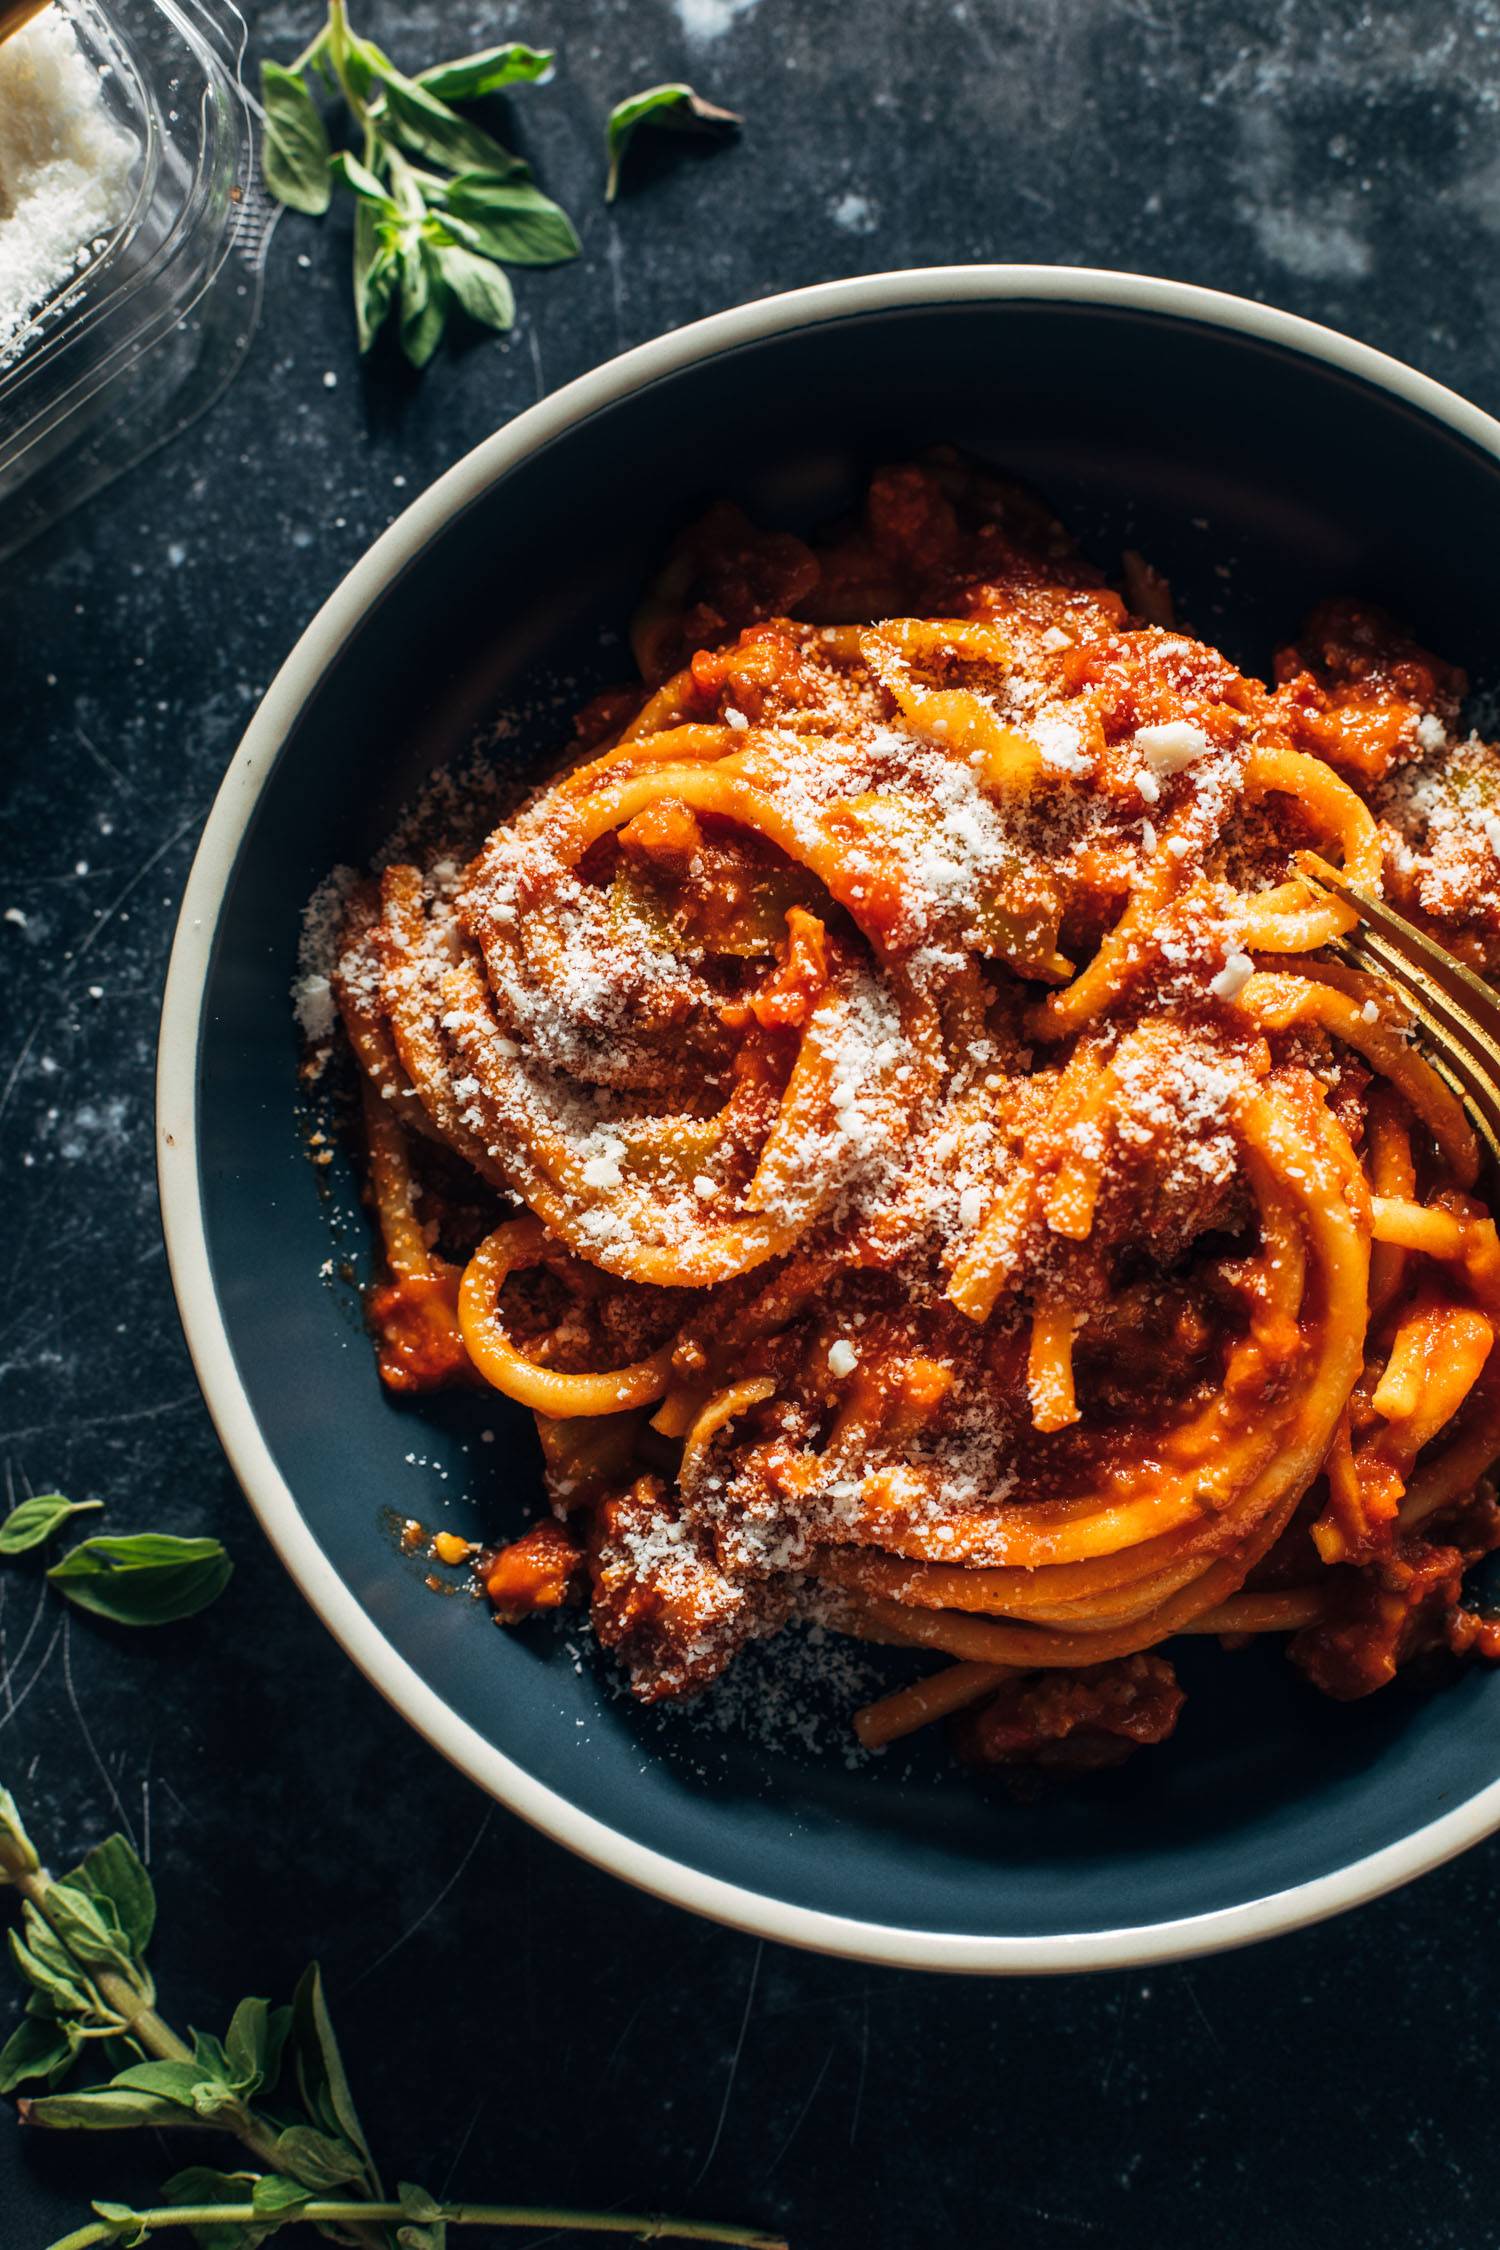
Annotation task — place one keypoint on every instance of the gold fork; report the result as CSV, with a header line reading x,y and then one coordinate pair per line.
x,y
1457,1010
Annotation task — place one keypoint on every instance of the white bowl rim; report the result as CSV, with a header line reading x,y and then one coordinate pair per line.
x,y
181,1192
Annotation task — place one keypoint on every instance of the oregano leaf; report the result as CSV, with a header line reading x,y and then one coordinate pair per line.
x,y
424,302
317,2159
200,2184
273,2193
510,219
319,2062
362,181
113,1873
295,153
478,284
103,2109
143,1578
427,127
88,1927
376,275
32,1521
18,1854
174,2081
247,2046
674,108
489,72
415,2201
37,2049
65,1993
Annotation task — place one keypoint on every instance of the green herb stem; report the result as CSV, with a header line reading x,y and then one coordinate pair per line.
x,y
140,2021
310,52
137,2017
644,2228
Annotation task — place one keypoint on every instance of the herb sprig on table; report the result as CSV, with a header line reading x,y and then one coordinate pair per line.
x,y
441,206
275,2083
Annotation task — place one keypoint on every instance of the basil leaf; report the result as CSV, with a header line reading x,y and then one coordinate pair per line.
x,y
478,284
428,127
511,219
676,108
487,73
424,2238
295,153
37,2050
416,2203
32,1521
375,275
104,2109
317,2159
112,1874
148,1578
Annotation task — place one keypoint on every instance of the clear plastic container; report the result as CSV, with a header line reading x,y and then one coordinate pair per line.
x,y
141,338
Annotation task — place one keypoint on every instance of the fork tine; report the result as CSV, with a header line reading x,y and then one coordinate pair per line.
x,y
1458,983
1458,1013
1450,1055
1437,1013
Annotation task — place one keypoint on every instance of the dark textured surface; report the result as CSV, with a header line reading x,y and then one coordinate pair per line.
x,y
518,2025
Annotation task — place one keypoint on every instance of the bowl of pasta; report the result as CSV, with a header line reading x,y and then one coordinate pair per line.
x,y
795,1128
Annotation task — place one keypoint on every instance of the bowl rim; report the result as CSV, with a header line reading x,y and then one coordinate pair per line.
x,y
183,1015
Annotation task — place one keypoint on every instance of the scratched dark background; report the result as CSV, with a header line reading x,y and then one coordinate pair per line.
x,y
519,2026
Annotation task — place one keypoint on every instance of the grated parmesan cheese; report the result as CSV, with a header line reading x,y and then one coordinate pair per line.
x,y
65,166
1169,748
842,1358
1232,979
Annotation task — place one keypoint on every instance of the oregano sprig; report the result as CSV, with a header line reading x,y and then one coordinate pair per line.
x,y
275,2083
441,206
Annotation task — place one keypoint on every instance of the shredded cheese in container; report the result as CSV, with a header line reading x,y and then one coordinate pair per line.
x,y
65,166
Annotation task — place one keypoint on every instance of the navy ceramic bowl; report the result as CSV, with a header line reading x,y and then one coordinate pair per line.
x,y
1261,462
